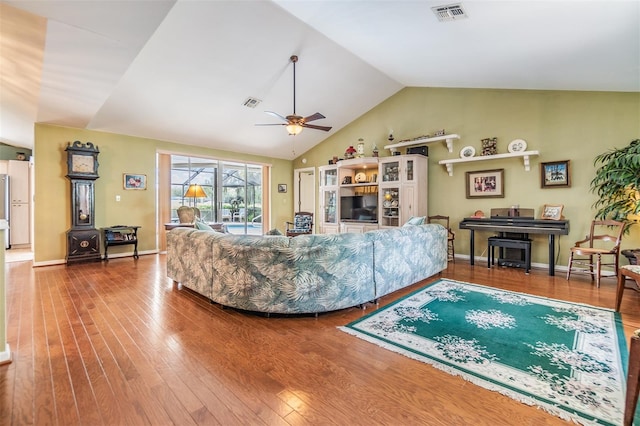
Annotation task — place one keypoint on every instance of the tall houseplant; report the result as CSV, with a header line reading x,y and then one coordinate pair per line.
x,y
617,184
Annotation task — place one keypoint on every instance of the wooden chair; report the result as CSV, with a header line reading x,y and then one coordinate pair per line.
x,y
444,221
603,240
302,224
631,271
633,379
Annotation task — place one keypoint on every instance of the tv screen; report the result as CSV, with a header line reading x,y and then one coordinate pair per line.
x,y
359,208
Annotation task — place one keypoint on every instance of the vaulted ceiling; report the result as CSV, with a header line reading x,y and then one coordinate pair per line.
x,y
181,70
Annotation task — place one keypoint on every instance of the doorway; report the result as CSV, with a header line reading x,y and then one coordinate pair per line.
x,y
304,189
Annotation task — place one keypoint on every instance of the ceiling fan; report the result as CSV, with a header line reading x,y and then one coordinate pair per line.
x,y
295,123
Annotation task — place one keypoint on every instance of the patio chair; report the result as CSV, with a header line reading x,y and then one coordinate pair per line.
x,y
239,215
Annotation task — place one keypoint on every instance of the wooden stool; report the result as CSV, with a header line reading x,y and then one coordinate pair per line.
x,y
502,243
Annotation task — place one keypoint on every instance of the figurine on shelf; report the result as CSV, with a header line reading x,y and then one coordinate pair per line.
x,y
439,133
348,154
361,148
375,150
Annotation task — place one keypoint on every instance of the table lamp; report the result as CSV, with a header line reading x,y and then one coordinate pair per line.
x,y
196,192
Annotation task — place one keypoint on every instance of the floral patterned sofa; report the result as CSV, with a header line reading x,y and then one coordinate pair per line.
x,y
306,274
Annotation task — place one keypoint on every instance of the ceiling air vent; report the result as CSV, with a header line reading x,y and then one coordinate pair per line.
x,y
251,102
450,12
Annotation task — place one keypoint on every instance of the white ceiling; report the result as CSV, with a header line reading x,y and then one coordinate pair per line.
x,y
181,70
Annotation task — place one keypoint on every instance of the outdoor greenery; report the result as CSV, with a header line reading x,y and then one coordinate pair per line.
x,y
617,184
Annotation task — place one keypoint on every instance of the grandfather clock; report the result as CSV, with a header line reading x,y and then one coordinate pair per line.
x,y
83,240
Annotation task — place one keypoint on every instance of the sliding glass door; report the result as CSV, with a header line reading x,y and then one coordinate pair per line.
x,y
233,192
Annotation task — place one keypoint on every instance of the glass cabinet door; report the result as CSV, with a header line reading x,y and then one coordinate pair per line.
x,y
408,170
390,171
390,206
329,207
330,177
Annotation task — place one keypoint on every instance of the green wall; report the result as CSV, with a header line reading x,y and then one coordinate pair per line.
x,y
118,154
561,125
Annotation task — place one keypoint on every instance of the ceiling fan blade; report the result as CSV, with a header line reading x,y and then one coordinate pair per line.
x,y
312,126
316,116
275,114
270,124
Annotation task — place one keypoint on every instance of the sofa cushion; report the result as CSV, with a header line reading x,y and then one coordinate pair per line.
x,y
415,220
203,226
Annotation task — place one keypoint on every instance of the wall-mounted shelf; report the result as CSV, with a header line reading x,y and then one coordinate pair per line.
x,y
447,138
525,158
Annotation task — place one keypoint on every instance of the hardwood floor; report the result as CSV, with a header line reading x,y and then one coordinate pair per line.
x,y
117,344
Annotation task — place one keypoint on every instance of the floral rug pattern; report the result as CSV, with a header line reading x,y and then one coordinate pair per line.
x,y
566,358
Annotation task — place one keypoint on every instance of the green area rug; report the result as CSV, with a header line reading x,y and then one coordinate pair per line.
x,y
568,359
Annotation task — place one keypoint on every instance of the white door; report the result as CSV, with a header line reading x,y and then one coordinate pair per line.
x,y
305,190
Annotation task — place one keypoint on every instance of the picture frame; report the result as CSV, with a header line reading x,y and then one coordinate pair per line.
x,y
552,211
555,174
282,188
485,184
134,181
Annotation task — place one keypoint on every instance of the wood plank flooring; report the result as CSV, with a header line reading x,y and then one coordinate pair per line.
x,y
118,344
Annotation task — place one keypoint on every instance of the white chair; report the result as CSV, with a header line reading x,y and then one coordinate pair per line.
x,y
239,215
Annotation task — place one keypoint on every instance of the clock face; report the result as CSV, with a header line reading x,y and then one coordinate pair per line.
x,y
82,163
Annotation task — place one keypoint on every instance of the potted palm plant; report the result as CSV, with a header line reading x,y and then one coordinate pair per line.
x,y
617,185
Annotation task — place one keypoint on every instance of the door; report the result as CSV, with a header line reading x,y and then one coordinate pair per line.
x,y
304,190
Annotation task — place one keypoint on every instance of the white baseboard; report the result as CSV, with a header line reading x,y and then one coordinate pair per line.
x,y
111,256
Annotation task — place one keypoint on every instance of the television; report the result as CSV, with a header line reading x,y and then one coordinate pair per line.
x,y
359,208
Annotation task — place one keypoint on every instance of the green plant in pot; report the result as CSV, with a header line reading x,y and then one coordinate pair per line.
x,y
617,185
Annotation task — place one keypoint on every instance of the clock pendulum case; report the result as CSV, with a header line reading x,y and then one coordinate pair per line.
x,y
83,240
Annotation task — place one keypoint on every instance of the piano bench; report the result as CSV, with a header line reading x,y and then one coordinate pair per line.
x,y
502,242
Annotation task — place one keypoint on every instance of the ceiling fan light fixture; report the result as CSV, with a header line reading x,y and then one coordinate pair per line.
x,y
293,129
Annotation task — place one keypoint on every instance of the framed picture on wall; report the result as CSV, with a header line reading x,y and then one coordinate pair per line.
x,y
485,184
135,181
552,211
555,174
282,187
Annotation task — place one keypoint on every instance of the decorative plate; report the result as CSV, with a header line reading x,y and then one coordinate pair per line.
x,y
394,203
387,203
517,145
467,151
361,177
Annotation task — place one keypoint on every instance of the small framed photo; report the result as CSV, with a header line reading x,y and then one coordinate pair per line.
x,y
134,181
552,211
555,174
282,187
485,184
